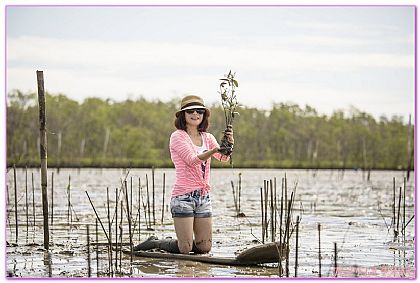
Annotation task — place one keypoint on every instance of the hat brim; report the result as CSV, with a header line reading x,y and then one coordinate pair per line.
x,y
190,107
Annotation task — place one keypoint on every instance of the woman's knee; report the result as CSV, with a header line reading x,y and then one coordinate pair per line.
x,y
184,247
204,246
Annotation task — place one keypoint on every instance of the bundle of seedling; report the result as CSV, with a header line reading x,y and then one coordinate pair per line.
x,y
229,103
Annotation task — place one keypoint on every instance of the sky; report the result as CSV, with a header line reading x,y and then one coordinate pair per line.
x,y
330,58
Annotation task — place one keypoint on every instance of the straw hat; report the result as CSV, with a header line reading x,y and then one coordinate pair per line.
x,y
191,102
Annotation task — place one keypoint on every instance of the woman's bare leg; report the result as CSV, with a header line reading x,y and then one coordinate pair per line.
x,y
184,233
203,233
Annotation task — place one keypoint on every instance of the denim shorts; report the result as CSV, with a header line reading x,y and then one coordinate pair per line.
x,y
193,204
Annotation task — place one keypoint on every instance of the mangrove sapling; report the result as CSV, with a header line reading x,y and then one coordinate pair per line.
x,y
229,103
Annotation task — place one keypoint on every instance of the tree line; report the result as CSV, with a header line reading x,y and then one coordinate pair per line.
x,y
135,133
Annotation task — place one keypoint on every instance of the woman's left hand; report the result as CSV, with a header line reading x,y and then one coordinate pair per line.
x,y
229,134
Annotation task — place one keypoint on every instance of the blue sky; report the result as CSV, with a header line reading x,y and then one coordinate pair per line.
x,y
327,57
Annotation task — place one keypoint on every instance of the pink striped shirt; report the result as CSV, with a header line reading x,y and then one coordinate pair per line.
x,y
189,175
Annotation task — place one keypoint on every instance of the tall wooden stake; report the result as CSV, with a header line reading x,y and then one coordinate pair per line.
x,y
43,154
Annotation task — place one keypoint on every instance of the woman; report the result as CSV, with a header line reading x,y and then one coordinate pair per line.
x,y
191,150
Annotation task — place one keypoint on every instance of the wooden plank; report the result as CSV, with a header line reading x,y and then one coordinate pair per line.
x,y
267,253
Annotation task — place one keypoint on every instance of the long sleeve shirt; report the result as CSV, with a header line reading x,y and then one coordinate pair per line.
x,y
189,174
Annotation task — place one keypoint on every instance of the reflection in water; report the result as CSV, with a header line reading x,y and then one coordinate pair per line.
x,y
48,262
347,208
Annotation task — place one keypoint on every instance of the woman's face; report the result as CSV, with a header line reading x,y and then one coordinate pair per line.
x,y
193,117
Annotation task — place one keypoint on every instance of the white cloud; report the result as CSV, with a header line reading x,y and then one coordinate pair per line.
x,y
162,70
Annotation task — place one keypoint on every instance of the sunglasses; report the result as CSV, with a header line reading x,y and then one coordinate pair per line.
x,y
199,111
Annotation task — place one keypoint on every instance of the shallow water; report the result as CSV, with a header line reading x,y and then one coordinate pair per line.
x,y
352,212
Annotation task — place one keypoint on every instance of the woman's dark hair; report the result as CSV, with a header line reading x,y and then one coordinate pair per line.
x,y
181,123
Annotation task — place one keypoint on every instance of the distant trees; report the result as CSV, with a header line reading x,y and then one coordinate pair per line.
x,y
134,133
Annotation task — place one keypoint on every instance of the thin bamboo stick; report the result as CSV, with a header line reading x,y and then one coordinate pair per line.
x,y
26,202
297,246
153,194
275,206
266,208
319,250
280,232
148,201
33,198
131,196
287,235
121,234
110,234
234,197
129,230
116,229
335,260
16,207
403,216
163,199
88,251
139,206
262,215
97,247
97,217
68,202
393,206
240,190
398,215
52,198
273,232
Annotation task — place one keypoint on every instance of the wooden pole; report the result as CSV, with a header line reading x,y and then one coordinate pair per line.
x,y
43,154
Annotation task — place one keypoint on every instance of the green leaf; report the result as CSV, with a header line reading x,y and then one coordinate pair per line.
x,y
235,82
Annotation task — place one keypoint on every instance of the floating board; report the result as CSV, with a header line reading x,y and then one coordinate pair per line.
x,y
267,253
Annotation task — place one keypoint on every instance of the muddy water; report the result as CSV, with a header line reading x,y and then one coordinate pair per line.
x,y
353,212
